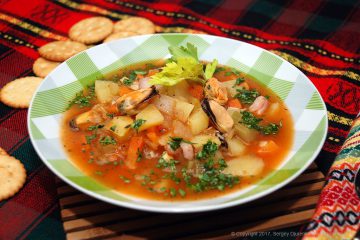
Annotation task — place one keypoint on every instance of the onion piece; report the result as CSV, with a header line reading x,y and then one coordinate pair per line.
x,y
144,83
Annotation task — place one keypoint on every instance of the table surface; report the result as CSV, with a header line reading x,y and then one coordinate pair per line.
x,y
320,37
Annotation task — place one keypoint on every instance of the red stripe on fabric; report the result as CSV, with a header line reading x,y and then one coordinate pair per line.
x,y
329,147
230,10
27,205
338,132
13,129
12,65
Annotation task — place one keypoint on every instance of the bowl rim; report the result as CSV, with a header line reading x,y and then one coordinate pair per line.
x,y
136,205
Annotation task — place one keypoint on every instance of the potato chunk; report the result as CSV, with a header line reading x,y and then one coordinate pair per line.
x,y
236,147
105,90
152,117
200,140
119,126
183,110
198,121
248,165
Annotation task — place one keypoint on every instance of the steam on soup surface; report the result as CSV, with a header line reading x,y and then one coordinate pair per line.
x,y
179,129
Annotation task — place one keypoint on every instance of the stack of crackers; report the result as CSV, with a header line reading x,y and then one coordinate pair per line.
x,y
18,93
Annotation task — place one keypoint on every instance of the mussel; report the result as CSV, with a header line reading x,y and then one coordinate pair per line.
x,y
218,115
214,91
129,103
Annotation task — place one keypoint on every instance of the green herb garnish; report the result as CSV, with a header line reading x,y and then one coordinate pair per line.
x,y
126,180
89,138
173,192
83,100
253,122
182,192
210,69
238,81
113,128
136,124
139,157
107,140
246,96
95,127
208,150
176,141
140,72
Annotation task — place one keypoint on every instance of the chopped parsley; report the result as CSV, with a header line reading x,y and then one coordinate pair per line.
x,y
107,140
140,72
213,176
208,150
140,155
110,115
167,163
246,96
173,192
136,124
238,81
176,141
113,128
126,180
95,127
219,69
252,122
89,138
83,100
182,192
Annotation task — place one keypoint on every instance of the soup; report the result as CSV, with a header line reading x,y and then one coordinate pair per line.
x,y
177,129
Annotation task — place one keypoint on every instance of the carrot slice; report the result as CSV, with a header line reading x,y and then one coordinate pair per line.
x,y
136,145
124,90
151,134
196,91
234,103
267,146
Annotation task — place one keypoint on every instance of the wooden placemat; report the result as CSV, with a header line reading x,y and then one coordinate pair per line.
x,y
87,218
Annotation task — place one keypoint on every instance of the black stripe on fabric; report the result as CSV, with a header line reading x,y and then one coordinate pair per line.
x,y
261,12
50,226
326,21
339,112
324,161
202,6
335,10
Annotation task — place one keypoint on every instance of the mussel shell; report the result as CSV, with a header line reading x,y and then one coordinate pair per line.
x,y
73,125
205,104
125,107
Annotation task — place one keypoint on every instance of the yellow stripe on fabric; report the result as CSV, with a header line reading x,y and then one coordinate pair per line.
x,y
30,27
339,119
319,71
92,8
347,160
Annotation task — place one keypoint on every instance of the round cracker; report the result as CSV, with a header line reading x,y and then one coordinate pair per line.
x,y
12,176
91,30
192,31
3,152
119,35
59,51
42,67
19,92
135,24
